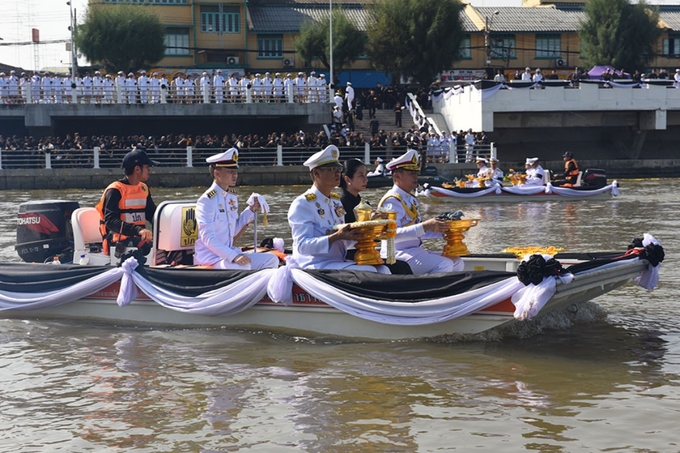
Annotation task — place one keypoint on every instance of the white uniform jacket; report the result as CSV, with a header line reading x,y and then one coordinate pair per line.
x,y
535,176
218,222
410,230
312,217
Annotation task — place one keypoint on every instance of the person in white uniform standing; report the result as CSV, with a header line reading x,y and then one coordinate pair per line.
x,y
314,214
410,227
220,223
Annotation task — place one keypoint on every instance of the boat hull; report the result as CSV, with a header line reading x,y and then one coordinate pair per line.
x,y
516,195
309,316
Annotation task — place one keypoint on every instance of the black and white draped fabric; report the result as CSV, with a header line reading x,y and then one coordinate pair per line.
x,y
528,190
397,300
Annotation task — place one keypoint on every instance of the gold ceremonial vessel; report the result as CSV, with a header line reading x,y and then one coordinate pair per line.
x,y
517,179
454,237
370,232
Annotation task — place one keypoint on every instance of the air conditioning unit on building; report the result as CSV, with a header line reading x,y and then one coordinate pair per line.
x,y
560,62
288,62
232,60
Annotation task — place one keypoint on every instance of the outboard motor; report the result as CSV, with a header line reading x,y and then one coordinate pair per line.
x,y
44,229
594,178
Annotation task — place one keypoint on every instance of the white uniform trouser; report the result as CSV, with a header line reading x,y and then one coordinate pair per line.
x,y
257,261
424,261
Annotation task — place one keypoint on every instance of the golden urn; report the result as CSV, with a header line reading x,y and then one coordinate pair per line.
x,y
454,237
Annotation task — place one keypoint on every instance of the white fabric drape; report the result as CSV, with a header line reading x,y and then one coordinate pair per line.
x,y
650,277
10,300
530,190
390,312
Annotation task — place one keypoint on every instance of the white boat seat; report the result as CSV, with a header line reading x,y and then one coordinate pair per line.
x,y
547,176
578,179
177,229
87,239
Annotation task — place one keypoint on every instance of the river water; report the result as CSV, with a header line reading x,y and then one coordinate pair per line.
x,y
605,377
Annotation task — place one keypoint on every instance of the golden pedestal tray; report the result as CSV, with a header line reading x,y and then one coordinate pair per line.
x,y
455,235
371,231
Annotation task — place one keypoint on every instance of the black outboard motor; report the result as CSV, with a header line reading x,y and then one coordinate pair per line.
x,y
44,230
594,178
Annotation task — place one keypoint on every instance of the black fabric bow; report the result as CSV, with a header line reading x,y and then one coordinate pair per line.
x,y
537,268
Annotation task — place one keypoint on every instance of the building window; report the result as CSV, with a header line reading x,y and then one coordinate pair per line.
x,y
270,46
177,41
671,46
465,52
502,47
220,19
548,46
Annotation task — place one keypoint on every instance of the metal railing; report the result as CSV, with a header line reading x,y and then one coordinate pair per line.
x,y
171,94
190,156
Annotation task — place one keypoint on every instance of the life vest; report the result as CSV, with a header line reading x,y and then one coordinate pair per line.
x,y
573,173
132,208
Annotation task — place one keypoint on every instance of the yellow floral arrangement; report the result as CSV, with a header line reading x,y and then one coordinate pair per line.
x,y
521,252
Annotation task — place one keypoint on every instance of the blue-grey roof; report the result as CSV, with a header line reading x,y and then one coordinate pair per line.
x,y
467,23
530,20
670,19
281,17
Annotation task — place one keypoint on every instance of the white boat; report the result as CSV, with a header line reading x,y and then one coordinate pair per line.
x,y
518,194
339,304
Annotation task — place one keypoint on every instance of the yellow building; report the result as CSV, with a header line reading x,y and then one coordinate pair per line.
x,y
245,36
259,35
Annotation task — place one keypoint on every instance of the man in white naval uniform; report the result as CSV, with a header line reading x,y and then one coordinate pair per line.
x,y
233,87
219,222
204,84
535,173
322,88
277,88
267,87
300,87
495,173
155,84
349,96
410,228
244,82
288,87
314,214
257,87
98,87
144,85
121,90
218,85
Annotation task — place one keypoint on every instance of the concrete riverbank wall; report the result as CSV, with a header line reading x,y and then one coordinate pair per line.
x,y
85,178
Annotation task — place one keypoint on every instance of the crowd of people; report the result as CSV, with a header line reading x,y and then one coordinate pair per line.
x,y
158,87
609,74
75,150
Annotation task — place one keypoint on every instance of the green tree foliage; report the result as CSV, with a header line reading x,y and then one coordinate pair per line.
x,y
619,34
417,38
121,37
314,41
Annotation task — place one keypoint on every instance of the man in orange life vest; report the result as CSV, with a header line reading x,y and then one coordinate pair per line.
x,y
571,171
126,206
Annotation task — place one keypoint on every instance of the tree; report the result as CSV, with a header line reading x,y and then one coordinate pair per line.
x,y
314,41
121,37
619,34
418,38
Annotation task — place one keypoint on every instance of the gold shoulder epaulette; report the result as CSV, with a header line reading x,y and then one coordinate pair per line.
x,y
335,195
231,190
212,193
310,196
